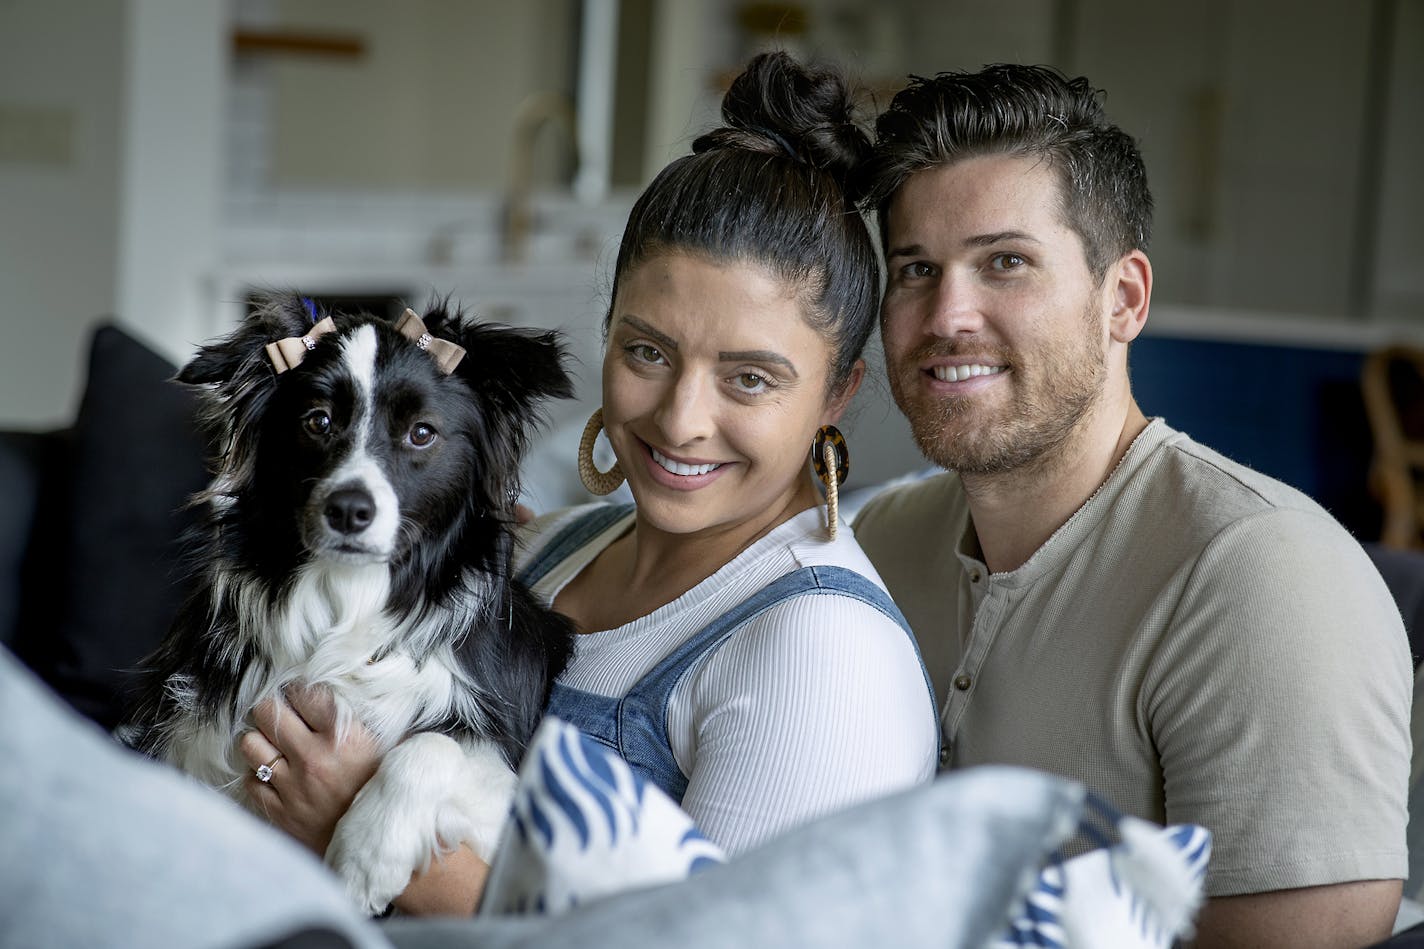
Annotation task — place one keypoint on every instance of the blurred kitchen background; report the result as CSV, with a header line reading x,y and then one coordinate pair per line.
x,y
162,160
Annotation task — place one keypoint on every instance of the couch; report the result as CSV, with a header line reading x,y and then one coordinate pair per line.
x,y
93,513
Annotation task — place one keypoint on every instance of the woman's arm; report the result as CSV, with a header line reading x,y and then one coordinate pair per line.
x,y
818,704
450,886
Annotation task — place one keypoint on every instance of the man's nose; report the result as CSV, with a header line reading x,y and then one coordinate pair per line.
x,y
956,306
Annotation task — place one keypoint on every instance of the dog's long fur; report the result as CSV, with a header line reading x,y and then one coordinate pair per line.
x,y
340,548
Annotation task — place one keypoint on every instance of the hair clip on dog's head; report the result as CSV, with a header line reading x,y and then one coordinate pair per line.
x,y
447,355
288,353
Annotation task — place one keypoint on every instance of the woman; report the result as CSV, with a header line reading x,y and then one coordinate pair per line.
x,y
743,295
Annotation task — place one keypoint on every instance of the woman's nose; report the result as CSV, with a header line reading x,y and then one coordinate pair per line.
x,y
685,413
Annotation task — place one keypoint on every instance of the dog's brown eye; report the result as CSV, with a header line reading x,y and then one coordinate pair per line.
x,y
421,435
317,422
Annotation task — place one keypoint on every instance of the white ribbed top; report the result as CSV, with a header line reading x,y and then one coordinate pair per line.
x,y
816,704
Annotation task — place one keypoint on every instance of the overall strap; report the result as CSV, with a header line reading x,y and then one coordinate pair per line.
x,y
574,535
593,714
642,716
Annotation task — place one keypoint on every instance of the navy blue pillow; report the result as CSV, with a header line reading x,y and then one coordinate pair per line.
x,y
29,467
136,459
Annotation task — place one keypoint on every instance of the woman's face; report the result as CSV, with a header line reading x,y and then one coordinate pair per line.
x,y
713,387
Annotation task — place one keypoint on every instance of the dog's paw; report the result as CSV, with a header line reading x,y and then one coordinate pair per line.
x,y
429,795
372,880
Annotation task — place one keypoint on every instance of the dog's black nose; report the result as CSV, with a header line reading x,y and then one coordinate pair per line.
x,y
350,510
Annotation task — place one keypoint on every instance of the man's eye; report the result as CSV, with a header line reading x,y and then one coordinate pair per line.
x,y
645,352
1006,262
317,421
422,435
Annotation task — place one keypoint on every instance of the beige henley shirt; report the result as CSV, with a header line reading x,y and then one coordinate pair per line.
x,y
1199,643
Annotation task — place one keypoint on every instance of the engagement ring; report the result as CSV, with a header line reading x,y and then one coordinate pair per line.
x,y
264,772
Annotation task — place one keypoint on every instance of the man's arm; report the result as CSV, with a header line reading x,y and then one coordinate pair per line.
x,y
1340,916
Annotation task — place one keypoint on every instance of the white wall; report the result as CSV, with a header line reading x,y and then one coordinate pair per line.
x,y
1291,163
109,168
687,48
172,170
1399,248
61,62
432,100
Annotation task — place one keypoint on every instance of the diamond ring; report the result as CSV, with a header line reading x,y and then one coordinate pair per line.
x,y
264,772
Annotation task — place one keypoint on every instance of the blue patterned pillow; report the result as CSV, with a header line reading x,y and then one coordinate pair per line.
x,y
1140,893
583,825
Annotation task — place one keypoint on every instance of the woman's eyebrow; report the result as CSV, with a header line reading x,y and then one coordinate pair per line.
x,y
662,339
760,355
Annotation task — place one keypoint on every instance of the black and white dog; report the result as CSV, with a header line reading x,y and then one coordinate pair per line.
x,y
357,535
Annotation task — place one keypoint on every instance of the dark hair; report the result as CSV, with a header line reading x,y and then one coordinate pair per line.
x,y
770,187
1026,111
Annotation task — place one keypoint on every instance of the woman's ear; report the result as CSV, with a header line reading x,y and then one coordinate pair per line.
x,y
1131,281
840,399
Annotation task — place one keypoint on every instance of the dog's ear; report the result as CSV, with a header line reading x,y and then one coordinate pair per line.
x,y
512,373
513,370
236,380
244,350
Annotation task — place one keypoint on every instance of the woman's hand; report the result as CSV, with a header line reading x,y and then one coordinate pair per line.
x,y
315,774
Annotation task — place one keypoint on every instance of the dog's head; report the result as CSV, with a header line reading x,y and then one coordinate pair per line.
x,y
369,448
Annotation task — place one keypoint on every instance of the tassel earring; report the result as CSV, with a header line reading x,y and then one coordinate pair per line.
x,y
597,482
831,459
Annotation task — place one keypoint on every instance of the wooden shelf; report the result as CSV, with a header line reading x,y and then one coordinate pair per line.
x,y
292,43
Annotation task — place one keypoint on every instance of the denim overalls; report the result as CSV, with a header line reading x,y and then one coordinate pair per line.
x,y
635,726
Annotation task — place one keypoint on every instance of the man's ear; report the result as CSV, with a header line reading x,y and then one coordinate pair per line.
x,y
1130,282
840,399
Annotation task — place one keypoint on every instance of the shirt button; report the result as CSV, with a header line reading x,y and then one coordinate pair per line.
x,y
944,756
975,575
962,682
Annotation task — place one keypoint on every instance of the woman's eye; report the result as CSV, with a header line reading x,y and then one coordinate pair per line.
x,y
752,382
317,421
421,435
917,270
1006,262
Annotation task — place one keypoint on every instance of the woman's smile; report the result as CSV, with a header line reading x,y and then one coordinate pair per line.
x,y
714,385
680,474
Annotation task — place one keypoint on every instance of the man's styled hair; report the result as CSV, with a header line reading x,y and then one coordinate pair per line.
x,y
1022,111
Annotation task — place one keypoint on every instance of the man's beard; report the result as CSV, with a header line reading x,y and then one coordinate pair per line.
x,y
1049,401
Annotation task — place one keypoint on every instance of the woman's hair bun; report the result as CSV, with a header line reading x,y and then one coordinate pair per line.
x,y
780,107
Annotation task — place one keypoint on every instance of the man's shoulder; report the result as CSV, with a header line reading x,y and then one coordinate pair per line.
x,y
910,529
1206,490
911,500
1195,506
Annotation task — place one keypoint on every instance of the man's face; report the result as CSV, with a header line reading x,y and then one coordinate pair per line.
x,y
995,331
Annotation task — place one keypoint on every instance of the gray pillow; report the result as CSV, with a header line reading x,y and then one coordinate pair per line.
x,y
106,848
937,866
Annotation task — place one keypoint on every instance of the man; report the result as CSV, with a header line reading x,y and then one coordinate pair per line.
x,y
1094,593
